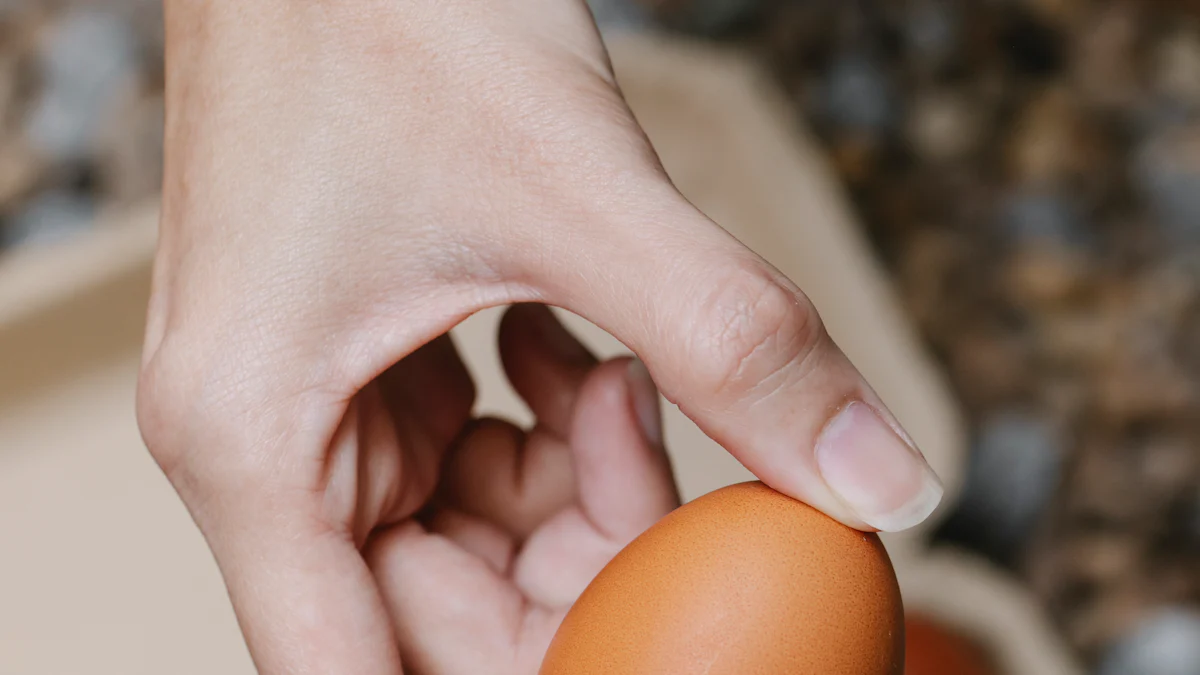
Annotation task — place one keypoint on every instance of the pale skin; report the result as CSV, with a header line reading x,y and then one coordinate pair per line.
x,y
521,521
347,181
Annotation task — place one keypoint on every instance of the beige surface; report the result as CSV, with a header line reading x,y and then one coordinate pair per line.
x,y
101,571
989,605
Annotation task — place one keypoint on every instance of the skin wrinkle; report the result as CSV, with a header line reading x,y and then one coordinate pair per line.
x,y
791,375
751,321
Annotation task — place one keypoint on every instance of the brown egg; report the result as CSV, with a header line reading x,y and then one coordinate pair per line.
x,y
934,649
742,581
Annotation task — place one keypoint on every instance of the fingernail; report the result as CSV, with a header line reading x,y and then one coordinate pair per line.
x,y
644,395
556,337
883,479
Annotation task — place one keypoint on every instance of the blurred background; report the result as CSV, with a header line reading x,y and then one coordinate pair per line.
x,y
1027,170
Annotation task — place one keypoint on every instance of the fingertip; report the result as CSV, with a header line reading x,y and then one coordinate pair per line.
x,y
534,327
544,363
476,536
509,477
625,478
644,398
619,400
875,470
384,544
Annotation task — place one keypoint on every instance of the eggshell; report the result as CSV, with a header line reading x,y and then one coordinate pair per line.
x,y
931,648
742,581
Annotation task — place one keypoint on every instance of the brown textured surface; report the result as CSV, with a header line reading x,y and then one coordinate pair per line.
x,y
740,581
932,648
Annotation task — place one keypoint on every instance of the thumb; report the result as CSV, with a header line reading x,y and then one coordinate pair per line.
x,y
744,354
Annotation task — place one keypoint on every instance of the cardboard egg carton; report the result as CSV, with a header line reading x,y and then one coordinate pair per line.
x,y
100,555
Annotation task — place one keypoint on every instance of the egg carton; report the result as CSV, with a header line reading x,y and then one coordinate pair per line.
x,y
76,484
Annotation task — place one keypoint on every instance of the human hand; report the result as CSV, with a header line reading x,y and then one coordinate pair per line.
x,y
523,520
344,183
